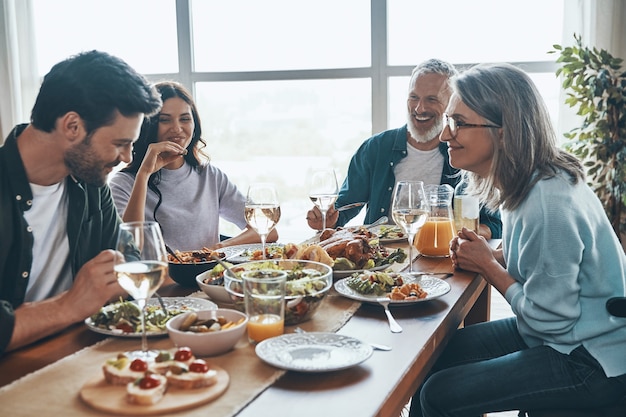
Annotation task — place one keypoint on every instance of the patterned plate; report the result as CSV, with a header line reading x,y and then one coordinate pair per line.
x,y
176,304
313,352
434,287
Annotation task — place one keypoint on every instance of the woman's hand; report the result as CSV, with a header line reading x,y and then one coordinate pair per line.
x,y
470,251
160,154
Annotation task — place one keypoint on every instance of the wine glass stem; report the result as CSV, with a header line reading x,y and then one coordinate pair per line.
x,y
323,219
144,339
263,238
411,248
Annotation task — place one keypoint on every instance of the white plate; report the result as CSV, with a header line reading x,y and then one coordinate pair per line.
x,y
239,252
383,240
171,303
435,288
232,251
313,352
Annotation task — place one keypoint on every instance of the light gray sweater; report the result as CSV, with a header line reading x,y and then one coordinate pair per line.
x,y
192,204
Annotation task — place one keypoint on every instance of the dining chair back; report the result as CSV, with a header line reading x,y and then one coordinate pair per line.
x,y
616,306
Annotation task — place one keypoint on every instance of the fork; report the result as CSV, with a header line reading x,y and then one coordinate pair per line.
x,y
393,324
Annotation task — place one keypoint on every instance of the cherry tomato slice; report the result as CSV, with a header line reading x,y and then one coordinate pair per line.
x,y
183,354
139,365
125,327
149,381
199,366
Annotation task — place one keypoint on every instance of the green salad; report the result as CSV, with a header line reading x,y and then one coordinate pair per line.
x,y
125,317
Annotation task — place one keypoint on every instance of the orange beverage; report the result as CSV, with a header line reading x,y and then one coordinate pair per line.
x,y
434,237
264,326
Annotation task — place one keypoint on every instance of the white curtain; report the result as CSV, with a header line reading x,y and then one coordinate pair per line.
x,y
19,78
601,24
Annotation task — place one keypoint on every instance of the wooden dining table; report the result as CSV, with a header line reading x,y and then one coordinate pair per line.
x,y
380,386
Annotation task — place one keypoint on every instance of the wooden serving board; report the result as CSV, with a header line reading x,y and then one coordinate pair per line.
x,y
99,394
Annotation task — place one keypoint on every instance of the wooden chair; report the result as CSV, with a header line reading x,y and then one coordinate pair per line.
x,y
617,307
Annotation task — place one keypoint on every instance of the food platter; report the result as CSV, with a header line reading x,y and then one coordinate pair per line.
x,y
241,253
100,395
174,305
392,233
435,288
313,352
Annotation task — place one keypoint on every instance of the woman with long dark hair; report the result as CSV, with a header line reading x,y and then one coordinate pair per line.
x,y
169,182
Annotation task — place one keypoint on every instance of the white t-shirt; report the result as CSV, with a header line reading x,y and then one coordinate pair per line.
x,y
50,273
420,166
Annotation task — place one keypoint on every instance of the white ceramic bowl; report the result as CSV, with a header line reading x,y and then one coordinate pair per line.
x,y
210,343
305,292
216,291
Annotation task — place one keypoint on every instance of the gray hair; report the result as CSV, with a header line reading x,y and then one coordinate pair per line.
x,y
434,66
525,148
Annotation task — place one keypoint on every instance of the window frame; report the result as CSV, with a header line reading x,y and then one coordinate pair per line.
x,y
378,72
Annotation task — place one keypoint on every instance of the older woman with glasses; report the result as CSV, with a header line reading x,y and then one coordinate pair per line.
x,y
560,262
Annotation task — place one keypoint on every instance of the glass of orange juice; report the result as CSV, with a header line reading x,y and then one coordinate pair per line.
x,y
264,300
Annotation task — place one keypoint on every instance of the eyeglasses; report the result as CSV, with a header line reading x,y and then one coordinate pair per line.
x,y
455,125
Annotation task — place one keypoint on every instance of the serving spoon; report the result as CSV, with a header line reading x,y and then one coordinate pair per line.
x,y
171,252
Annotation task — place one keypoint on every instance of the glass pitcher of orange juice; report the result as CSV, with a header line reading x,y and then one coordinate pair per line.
x,y
434,237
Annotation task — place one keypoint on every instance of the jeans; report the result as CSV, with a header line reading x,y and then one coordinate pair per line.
x,y
487,367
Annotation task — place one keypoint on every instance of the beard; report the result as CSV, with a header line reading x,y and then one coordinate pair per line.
x,y
430,134
84,163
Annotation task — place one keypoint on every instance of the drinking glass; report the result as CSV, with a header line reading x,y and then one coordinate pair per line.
x,y
409,209
323,191
141,269
262,210
264,299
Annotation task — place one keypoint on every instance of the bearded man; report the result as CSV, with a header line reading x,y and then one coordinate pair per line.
x,y
412,152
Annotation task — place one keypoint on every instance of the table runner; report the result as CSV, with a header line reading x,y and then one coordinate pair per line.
x,y
54,390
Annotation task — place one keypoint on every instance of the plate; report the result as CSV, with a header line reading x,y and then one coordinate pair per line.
x,y
392,231
99,394
313,352
435,287
239,252
171,303
232,251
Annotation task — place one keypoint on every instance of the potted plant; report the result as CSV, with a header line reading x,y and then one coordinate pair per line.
x,y
596,84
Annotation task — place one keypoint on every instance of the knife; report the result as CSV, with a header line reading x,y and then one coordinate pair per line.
x,y
351,206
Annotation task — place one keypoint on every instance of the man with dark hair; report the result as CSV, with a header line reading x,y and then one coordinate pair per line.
x,y
58,223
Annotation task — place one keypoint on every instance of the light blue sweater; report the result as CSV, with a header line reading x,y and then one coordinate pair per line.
x,y
562,251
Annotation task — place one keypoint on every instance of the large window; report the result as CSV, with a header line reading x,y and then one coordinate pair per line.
x,y
286,86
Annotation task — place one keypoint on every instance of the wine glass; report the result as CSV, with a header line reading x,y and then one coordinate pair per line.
x,y
141,269
262,210
410,210
323,191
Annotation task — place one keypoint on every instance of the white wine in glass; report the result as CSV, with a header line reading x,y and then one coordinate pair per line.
x,y
323,191
409,209
262,210
141,269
